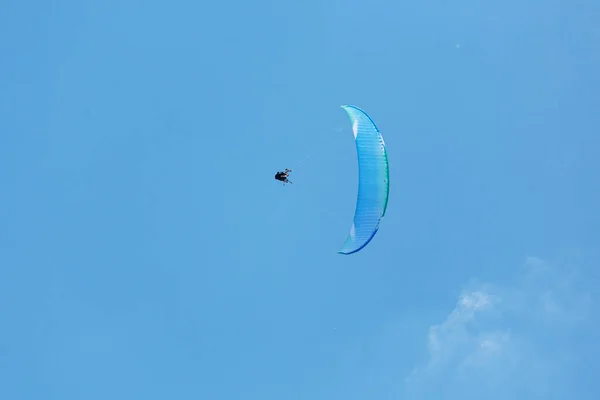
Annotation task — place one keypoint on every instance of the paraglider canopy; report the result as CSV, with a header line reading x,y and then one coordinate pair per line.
x,y
373,181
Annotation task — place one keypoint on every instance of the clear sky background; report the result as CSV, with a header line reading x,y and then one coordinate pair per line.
x,y
146,252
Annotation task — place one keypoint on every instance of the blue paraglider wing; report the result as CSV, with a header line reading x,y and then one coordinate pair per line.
x,y
373,181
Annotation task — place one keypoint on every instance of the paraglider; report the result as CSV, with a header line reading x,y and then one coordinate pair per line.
x,y
373,181
283,176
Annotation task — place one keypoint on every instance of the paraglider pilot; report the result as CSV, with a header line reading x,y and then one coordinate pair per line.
x,y
283,176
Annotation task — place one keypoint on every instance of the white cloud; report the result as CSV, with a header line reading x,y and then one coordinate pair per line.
x,y
446,338
502,341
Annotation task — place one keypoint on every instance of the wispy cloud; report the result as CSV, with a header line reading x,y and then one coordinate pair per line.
x,y
505,340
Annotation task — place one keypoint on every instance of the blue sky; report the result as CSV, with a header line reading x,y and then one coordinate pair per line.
x,y
146,252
